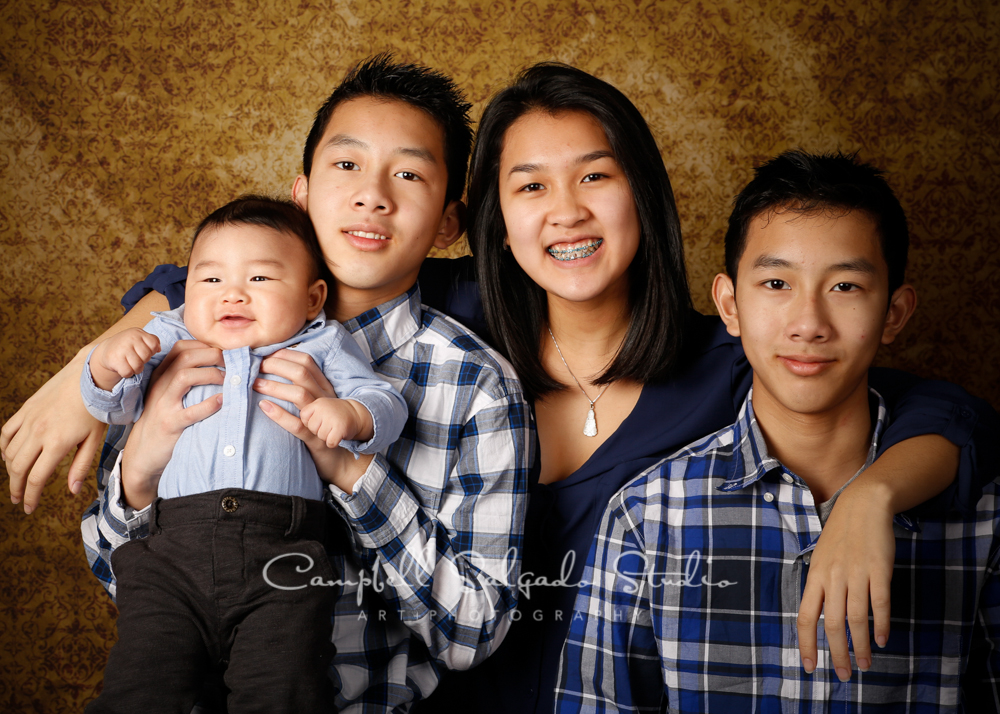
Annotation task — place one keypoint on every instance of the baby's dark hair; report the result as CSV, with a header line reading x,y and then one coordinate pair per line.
x,y
280,214
800,182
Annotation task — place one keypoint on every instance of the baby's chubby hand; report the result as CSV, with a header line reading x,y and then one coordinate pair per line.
x,y
126,353
336,420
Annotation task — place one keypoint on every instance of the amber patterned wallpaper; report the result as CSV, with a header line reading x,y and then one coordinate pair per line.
x,y
123,123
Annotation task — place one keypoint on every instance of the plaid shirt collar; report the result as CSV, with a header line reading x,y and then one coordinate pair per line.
x,y
751,461
389,326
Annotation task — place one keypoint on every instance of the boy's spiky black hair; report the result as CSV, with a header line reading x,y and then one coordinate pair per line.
x,y
424,88
804,183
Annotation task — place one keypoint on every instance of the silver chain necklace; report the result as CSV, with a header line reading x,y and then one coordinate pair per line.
x,y
589,426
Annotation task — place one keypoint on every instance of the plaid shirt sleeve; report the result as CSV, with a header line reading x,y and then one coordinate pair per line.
x,y
981,683
108,523
610,661
451,572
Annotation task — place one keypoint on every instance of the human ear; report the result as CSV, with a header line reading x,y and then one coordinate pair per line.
x,y
300,191
317,298
901,307
724,295
452,225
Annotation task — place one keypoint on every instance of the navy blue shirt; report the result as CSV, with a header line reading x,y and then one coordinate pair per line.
x,y
703,397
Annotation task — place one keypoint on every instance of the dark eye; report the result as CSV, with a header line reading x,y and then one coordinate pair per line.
x,y
532,187
590,178
347,165
845,287
211,280
777,285
258,279
408,176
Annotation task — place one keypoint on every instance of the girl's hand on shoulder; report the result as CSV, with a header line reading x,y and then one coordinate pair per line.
x,y
851,564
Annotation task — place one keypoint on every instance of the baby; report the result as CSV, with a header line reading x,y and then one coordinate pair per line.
x,y
216,586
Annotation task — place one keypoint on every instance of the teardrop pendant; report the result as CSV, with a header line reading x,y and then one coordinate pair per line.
x,y
590,426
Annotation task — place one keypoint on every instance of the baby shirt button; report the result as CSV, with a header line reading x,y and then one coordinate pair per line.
x,y
235,380
230,450
788,479
768,497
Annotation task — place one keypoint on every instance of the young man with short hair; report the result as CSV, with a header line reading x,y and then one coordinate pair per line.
x,y
696,576
436,518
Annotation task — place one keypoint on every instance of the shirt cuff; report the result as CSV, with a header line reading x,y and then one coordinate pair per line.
x,y
136,523
102,404
931,415
960,424
385,430
379,506
166,279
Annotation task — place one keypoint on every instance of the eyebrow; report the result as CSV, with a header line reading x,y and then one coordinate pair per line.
x,y
415,152
215,263
345,140
585,159
857,265
769,262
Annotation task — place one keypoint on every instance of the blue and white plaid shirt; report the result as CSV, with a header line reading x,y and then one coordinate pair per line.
x,y
437,519
694,584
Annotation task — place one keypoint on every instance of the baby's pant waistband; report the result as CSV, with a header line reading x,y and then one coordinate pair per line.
x,y
298,517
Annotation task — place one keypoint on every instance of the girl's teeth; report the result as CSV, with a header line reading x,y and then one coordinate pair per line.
x,y
580,251
369,236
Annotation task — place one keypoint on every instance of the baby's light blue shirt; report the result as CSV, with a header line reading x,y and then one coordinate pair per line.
x,y
239,446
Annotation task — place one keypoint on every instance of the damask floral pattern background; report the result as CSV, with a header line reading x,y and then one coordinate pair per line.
x,y
123,124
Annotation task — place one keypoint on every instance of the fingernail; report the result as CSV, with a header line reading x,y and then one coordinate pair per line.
x,y
28,509
266,406
218,400
864,664
880,640
258,382
75,487
808,665
842,674
15,500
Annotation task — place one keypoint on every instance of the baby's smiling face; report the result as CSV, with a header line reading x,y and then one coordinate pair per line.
x,y
249,286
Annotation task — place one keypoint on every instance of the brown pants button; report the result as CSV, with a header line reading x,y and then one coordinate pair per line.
x,y
230,504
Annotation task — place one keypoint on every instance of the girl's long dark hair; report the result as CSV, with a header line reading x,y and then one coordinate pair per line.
x,y
516,308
